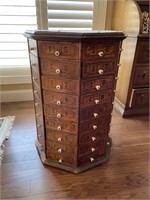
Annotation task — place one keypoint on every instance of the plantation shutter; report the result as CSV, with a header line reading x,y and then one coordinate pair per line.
x,y
70,14
16,16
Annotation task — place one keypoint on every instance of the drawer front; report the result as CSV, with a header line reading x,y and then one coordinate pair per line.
x,y
32,46
141,77
60,85
93,147
95,112
88,136
61,137
61,126
143,52
61,69
139,98
60,99
101,51
58,113
95,85
96,99
58,50
62,158
97,69
95,124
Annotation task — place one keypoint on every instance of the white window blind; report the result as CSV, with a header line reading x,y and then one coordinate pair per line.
x,y
16,16
70,14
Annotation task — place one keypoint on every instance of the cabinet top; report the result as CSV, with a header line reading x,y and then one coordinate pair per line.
x,y
74,35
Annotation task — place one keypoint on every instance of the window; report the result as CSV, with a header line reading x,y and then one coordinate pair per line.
x,y
70,14
16,16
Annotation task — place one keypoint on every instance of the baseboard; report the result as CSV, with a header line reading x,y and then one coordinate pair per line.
x,y
16,95
119,106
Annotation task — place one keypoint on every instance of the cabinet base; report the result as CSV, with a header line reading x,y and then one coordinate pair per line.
x,y
80,168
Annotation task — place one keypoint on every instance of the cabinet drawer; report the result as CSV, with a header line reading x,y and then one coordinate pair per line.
x,y
101,51
143,52
58,50
139,98
95,124
60,85
60,113
61,137
93,147
95,112
60,99
141,77
97,69
96,99
61,126
32,46
60,69
95,85
88,136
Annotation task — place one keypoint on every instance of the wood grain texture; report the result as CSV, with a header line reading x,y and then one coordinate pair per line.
x,y
125,176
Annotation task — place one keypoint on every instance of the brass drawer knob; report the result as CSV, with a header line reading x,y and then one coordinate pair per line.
x,y
58,87
95,115
94,127
58,102
59,139
60,161
91,159
57,71
59,128
101,53
58,115
98,87
92,149
97,101
93,138
100,71
59,150
57,53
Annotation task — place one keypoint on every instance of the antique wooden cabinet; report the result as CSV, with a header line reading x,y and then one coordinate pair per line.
x,y
74,77
132,96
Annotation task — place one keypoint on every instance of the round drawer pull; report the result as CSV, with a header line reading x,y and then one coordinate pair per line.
x,y
59,150
59,139
108,143
36,104
101,53
57,71
95,115
100,71
93,138
117,78
57,53
60,161
58,115
98,87
38,125
91,159
34,79
92,149
97,101
94,127
35,91
59,128
113,103
58,87
58,102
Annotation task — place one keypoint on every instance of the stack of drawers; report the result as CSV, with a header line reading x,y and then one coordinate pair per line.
x,y
74,78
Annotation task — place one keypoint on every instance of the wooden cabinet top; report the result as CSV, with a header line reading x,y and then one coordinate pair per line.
x,y
74,35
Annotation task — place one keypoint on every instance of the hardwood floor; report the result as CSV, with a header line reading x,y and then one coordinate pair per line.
x,y
125,176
